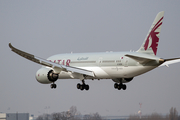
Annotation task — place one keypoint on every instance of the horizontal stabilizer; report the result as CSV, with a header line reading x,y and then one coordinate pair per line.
x,y
141,59
170,61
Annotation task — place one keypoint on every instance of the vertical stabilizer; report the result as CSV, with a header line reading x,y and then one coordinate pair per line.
x,y
151,41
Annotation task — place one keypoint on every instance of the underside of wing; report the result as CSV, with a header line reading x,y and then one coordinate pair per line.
x,y
51,64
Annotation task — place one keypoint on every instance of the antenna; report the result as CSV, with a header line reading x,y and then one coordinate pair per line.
x,y
140,105
140,112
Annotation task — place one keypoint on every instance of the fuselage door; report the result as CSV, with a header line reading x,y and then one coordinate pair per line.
x,y
100,61
125,61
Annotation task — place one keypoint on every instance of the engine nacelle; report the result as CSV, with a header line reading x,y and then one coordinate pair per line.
x,y
122,80
46,75
128,79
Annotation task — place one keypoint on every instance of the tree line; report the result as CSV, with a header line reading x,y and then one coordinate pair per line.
x,y
173,115
73,114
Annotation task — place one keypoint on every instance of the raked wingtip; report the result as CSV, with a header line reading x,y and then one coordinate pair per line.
x,y
10,45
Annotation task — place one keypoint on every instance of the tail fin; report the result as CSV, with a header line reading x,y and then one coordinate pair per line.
x,y
151,41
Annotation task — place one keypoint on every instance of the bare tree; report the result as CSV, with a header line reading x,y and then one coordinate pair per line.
x,y
43,117
73,110
46,116
133,117
94,116
155,116
87,117
39,117
179,117
66,115
56,116
71,114
173,114
77,116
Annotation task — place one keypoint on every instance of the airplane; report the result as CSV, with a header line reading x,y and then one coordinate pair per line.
x,y
121,67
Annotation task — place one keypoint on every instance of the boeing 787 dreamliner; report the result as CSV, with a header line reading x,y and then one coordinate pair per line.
x,y
121,67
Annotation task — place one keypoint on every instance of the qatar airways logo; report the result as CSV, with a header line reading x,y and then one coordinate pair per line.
x,y
152,39
82,58
63,62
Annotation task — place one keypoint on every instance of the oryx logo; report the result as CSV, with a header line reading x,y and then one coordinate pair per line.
x,y
152,39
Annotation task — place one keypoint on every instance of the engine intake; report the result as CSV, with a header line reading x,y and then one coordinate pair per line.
x,y
52,76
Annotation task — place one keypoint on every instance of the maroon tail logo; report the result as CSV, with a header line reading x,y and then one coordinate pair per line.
x,y
153,36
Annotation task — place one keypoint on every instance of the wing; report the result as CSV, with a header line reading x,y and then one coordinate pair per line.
x,y
51,64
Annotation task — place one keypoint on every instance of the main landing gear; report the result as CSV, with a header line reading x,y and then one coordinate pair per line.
x,y
120,86
53,86
82,86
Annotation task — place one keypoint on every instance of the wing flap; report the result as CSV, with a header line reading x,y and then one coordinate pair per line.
x,y
49,63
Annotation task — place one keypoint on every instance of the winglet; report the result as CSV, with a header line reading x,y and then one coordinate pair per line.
x,y
10,45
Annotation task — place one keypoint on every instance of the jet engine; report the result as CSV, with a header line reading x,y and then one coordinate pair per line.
x,y
128,79
122,80
46,75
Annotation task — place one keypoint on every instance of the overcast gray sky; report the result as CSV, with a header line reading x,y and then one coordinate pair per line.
x,y
45,28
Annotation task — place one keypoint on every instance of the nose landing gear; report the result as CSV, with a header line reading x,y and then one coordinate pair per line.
x,y
53,86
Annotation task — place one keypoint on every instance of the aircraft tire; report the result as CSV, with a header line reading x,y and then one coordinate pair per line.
x,y
53,86
119,87
115,85
124,87
82,87
86,87
78,86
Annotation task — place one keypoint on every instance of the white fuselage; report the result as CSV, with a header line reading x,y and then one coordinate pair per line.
x,y
107,65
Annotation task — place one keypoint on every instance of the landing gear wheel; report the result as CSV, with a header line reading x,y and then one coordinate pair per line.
x,y
82,87
86,87
119,87
115,85
78,86
124,87
53,86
